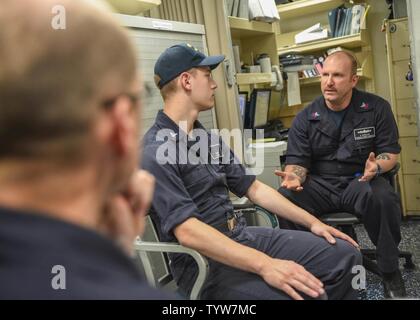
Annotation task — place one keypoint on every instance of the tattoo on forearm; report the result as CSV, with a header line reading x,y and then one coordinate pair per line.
x,y
300,172
383,156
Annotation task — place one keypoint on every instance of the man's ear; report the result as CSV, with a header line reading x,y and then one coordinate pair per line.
x,y
355,80
185,79
121,122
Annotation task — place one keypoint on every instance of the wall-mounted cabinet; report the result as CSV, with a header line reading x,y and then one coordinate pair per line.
x,y
404,108
133,7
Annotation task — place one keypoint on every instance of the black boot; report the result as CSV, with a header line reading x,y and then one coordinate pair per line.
x,y
394,287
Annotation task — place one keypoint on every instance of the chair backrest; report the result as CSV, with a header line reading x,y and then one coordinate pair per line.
x,y
152,258
156,265
266,218
256,215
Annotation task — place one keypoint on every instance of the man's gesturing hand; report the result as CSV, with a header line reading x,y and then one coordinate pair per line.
x,y
290,180
371,167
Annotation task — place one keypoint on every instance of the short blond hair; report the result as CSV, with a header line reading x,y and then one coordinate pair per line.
x,y
52,81
170,88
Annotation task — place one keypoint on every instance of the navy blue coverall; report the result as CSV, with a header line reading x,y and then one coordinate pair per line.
x,y
91,265
201,190
335,158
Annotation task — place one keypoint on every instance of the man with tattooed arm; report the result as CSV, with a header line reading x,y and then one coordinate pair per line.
x,y
338,148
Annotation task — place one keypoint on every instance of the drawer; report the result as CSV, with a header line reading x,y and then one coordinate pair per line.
x,y
403,89
410,154
400,43
407,117
412,192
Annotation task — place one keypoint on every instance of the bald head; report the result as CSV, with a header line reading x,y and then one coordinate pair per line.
x,y
341,54
52,80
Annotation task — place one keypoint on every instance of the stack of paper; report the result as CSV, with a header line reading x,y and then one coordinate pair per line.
x,y
316,32
263,10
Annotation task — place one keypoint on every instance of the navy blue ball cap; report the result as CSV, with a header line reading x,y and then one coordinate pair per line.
x,y
179,58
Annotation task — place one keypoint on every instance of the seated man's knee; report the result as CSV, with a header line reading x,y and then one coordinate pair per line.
x,y
384,198
386,194
345,250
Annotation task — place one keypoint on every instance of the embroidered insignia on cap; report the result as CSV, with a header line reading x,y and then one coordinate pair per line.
x,y
192,47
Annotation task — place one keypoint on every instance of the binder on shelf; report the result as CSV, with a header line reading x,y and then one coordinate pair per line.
x,y
229,7
235,8
332,19
342,22
358,12
243,11
337,21
347,23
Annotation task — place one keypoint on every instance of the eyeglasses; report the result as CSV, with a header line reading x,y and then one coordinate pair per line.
x,y
109,103
133,97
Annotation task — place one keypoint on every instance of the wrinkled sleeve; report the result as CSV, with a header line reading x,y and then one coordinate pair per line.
x,y
238,178
386,140
298,144
171,201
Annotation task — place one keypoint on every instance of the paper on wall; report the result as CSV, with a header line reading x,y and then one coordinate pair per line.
x,y
293,89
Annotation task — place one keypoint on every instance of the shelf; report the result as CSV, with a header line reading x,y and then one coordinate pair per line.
x,y
305,7
292,111
243,28
351,41
317,80
253,78
133,7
